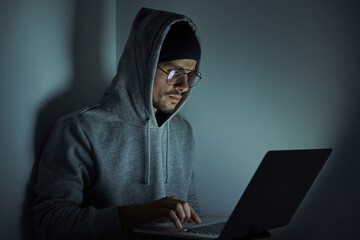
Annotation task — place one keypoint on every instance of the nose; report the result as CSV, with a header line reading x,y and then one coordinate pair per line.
x,y
182,84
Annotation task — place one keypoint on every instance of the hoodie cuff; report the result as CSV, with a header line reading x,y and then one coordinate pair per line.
x,y
105,223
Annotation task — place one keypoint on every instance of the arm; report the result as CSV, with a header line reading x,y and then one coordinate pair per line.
x,y
66,172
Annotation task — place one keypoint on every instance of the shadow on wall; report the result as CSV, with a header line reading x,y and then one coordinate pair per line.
x,y
87,86
333,210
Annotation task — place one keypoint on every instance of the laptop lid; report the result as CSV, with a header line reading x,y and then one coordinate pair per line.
x,y
275,191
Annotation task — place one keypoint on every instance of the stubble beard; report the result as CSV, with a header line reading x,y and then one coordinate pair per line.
x,y
165,108
169,108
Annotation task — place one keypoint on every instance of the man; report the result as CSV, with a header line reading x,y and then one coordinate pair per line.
x,y
128,159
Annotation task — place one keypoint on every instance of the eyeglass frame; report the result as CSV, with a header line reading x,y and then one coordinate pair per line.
x,y
197,73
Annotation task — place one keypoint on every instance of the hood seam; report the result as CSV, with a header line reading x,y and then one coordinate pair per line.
x,y
147,178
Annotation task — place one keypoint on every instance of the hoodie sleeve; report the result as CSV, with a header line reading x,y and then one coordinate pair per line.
x,y
66,172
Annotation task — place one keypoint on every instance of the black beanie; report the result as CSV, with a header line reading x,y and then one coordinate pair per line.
x,y
180,43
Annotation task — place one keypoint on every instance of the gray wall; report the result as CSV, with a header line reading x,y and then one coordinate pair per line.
x,y
55,56
276,75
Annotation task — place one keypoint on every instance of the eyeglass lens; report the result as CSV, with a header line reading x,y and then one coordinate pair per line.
x,y
175,75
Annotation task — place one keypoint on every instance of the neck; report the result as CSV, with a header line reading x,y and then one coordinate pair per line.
x,y
161,117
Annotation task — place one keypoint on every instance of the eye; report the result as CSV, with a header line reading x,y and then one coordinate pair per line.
x,y
173,73
193,75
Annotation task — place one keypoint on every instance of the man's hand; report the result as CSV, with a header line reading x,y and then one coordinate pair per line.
x,y
163,210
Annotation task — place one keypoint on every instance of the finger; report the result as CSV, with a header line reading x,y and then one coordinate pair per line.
x,y
175,204
175,219
194,216
179,210
187,211
182,209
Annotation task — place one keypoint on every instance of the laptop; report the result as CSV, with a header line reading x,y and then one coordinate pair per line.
x,y
269,201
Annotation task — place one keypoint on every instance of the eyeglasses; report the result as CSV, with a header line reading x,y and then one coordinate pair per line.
x,y
176,75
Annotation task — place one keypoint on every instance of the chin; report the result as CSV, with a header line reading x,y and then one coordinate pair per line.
x,y
169,110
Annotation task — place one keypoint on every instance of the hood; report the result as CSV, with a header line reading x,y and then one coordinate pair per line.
x,y
130,92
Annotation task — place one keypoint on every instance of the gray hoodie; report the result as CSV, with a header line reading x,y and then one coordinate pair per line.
x,y
115,153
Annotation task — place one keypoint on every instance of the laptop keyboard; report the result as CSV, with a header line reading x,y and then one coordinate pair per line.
x,y
211,229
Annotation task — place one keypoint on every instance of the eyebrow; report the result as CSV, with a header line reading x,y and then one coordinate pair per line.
x,y
178,67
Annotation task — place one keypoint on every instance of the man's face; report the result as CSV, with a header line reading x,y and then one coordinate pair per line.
x,y
166,97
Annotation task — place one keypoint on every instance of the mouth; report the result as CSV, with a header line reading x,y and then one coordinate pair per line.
x,y
175,98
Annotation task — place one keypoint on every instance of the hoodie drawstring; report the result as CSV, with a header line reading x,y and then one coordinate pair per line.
x,y
167,153
147,157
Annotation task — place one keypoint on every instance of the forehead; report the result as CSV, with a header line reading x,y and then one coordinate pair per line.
x,y
180,63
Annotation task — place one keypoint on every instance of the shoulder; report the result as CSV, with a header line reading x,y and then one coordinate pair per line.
x,y
87,121
92,115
